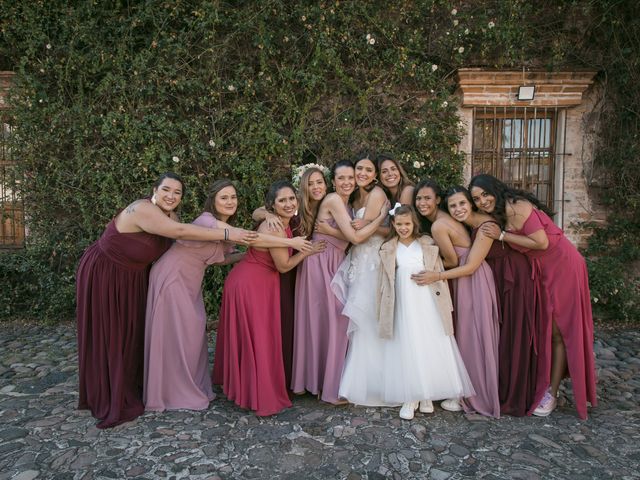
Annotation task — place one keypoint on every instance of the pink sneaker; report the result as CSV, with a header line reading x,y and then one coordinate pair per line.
x,y
546,405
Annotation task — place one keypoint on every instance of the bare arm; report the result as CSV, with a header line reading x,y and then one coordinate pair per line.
x,y
336,208
261,214
280,256
143,216
440,234
406,197
477,254
517,214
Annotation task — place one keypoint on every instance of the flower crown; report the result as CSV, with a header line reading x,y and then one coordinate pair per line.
x,y
297,173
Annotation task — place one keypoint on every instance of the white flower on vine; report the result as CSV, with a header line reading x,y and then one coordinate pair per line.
x,y
48,46
231,88
460,49
176,159
416,164
454,12
434,67
445,104
212,143
455,23
491,25
423,132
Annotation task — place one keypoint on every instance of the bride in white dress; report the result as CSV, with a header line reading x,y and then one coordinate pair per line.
x,y
356,286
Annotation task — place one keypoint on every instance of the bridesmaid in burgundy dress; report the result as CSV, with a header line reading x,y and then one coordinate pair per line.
x,y
517,298
111,294
248,358
567,332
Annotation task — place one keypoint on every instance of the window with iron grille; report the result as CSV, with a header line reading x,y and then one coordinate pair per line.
x,y
518,146
11,208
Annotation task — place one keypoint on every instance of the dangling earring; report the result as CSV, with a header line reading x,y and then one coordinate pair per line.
x,y
154,199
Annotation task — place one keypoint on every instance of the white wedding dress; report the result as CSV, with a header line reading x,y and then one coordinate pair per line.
x,y
355,284
421,362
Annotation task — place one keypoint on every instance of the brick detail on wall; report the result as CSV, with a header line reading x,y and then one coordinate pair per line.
x,y
480,87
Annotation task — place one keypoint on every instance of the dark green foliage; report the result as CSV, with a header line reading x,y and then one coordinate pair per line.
x,y
110,94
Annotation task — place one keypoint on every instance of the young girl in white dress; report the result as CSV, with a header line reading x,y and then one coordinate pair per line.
x,y
421,358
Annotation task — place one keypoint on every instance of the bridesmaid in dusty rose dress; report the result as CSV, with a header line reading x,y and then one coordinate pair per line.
x,y
176,366
475,303
176,373
111,295
567,333
320,333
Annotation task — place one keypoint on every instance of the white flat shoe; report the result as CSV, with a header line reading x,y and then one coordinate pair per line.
x,y
426,406
451,405
408,410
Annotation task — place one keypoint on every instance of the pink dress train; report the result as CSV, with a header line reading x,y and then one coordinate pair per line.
x,y
567,301
320,333
477,334
176,368
248,358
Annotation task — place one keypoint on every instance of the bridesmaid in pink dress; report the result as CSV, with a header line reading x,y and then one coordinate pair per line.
x,y
320,333
568,330
111,294
474,296
176,367
248,358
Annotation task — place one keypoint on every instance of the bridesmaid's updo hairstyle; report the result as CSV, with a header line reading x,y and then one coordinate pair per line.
x,y
272,193
214,189
425,224
172,176
502,194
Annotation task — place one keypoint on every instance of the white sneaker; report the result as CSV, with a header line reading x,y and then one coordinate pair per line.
x,y
451,405
408,410
546,405
426,406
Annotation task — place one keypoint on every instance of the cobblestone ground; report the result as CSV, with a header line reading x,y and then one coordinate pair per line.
x,y
43,436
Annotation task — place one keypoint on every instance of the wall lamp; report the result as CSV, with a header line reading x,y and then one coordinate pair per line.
x,y
526,92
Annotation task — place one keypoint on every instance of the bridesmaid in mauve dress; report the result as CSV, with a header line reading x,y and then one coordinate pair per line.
x,y
111,294
567,331
248,358
320,334
176,367
474,296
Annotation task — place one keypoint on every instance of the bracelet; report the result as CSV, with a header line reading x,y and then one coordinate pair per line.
x,y
502,234
226,234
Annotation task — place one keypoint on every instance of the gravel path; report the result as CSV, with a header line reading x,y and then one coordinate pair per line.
x,y
43,436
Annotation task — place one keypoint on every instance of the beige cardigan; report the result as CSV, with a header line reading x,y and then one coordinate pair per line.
x,y
386,300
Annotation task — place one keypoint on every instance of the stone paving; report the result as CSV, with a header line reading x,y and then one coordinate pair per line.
x,y
43,436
